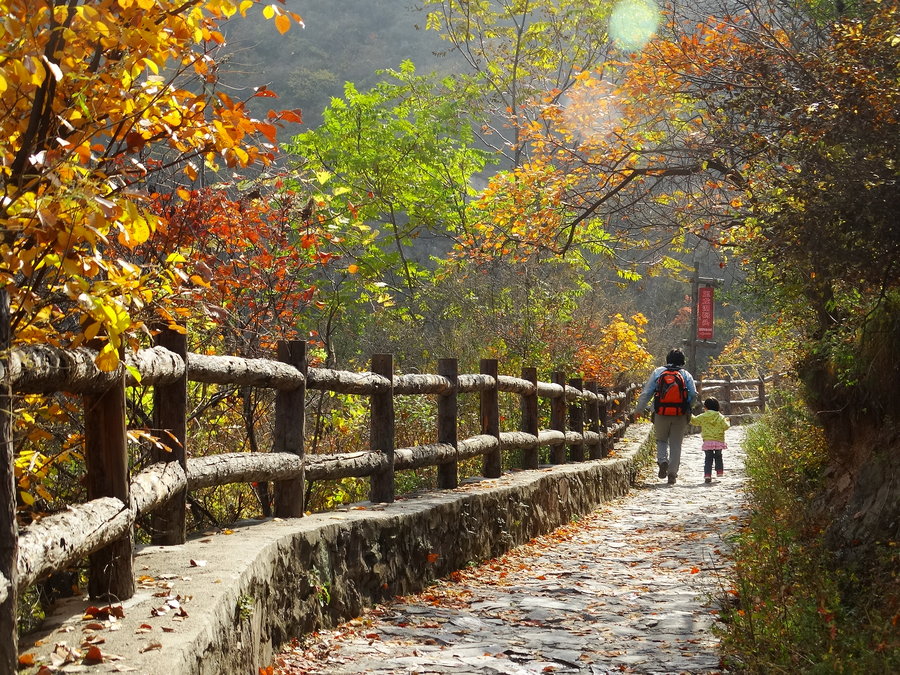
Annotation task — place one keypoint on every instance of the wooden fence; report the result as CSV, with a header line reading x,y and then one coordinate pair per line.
x,y
739,398
584,421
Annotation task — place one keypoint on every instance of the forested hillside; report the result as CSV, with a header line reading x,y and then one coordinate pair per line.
x,y
344,41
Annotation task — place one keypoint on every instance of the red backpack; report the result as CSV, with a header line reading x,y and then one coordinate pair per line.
x,y
671,397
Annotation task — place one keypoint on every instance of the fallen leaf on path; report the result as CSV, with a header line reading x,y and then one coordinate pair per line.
x,y
93,656
104,612
62,655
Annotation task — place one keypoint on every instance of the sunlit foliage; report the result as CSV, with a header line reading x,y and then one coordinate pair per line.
x,y
96,99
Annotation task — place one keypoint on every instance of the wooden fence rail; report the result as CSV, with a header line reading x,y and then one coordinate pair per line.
x,y
584,422
725,390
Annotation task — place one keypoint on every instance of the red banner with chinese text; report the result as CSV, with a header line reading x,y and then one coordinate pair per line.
x,y
705,313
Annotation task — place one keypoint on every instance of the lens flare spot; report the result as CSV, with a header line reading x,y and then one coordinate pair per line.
x,y
591,110
633,23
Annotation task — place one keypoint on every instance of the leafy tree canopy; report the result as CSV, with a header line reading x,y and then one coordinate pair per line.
x,y
97,98
768,131
518,51
394,169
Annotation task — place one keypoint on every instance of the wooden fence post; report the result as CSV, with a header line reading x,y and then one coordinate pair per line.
x,y
381,437
447,428
290,426
106,455
576,422
605,442
9,533
593,421
531,423
761,387
168,523
490,419
558,419
726,395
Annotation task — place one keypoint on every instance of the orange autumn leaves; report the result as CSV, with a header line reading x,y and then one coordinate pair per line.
x,y
242,267
599,156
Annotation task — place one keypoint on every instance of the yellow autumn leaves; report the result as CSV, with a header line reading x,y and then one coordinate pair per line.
x,y
617,348
91,104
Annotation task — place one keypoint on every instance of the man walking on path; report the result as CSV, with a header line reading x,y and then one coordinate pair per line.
x,y
673,392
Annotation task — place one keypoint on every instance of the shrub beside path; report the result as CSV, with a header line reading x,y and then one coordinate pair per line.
x,y
625,589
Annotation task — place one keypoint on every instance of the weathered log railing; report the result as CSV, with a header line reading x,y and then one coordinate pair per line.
x,y
584,418
726,389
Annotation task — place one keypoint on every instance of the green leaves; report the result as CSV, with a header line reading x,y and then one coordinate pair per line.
x,y
398,159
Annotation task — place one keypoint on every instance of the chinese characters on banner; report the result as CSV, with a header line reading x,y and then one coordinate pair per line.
x,y
705,313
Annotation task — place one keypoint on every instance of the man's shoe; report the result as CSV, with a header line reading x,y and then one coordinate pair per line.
x,y
671,479
707,479
663,469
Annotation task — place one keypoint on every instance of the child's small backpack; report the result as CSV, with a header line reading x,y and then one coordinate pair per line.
x,y
671,397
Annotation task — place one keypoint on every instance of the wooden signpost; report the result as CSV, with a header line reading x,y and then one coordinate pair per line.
x,y
702,316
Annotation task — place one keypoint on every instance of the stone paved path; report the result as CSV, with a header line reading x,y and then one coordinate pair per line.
x,y
625,589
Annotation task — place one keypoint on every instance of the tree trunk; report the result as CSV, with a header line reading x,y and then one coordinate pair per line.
x,y
8,526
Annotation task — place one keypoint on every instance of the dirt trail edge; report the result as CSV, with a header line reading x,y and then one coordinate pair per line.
x,y
624,589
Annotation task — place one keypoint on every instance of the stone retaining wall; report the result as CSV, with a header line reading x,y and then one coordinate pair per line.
x,y
247,593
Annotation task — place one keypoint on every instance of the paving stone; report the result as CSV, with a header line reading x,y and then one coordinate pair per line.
x,y
627,590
